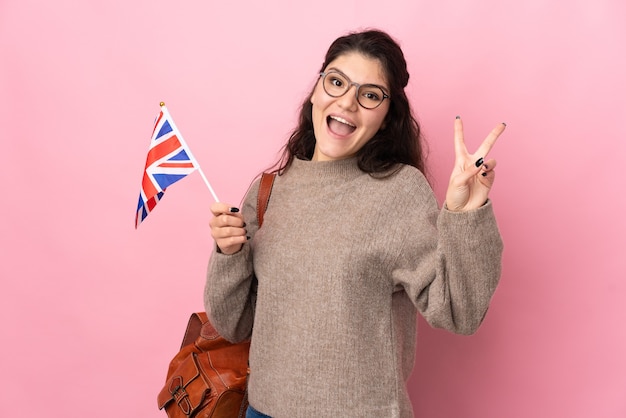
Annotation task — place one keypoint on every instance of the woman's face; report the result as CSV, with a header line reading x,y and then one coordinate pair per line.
x,y
341,125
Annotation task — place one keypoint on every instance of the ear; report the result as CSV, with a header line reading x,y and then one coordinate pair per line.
x,y
313,94
314,91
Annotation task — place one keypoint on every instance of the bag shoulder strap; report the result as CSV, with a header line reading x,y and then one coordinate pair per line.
x,y
198,321
194,326
263,198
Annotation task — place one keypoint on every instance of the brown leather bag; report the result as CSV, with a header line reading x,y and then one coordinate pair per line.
x,y
208,376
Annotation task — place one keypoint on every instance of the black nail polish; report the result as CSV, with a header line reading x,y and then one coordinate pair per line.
x,y
248,238
458,117
479,162
484,174
233,210
486,167
504,123
244,225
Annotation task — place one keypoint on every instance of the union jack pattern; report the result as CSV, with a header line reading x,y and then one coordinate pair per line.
x,y
169,160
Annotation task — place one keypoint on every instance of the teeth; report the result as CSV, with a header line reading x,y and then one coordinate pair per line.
x,y
338,119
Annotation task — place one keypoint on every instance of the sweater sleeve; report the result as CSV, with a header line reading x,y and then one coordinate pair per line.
x,y
229,293
450,265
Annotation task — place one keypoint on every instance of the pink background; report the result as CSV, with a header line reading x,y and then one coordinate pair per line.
x,y
92,310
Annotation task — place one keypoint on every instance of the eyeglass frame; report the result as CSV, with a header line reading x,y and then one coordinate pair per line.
x,y
358,86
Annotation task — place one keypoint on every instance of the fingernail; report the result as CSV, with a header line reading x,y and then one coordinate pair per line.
x,y
479,162
233,210
484,174
504,123
458,117
248,238
486,167
244,225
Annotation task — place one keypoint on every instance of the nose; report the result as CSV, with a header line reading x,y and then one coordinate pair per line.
x,y
349,101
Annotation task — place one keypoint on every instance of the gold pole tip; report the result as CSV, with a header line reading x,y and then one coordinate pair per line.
x,y
162,104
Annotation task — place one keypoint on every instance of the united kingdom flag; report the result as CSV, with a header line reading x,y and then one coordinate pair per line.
x,y
169,160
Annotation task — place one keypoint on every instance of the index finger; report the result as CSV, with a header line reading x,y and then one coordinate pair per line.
x,y
490,140
459,141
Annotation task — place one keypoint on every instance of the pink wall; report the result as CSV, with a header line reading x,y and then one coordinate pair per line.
x,y
92,310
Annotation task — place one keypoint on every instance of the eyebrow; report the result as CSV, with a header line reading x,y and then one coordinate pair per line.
x,y
384,88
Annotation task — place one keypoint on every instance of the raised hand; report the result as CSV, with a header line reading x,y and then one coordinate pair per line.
x,y
227,228
473,175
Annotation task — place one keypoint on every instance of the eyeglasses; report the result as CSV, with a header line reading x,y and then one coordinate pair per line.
x,y
336,84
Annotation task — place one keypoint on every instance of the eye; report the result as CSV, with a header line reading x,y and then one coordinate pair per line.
x,y
372,95
336,81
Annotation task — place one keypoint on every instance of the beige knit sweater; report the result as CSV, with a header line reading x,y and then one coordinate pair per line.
x,y
344,262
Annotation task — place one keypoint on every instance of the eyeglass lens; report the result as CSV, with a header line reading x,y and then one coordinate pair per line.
x,y
368,95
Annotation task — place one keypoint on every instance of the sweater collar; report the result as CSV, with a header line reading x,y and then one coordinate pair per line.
x,y
339,169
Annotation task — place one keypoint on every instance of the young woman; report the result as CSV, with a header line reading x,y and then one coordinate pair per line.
x,y
352,247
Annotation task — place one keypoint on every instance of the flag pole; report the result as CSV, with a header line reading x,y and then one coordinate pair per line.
x,y
207,184
188,150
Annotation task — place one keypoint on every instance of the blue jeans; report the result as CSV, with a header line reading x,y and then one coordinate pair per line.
x,y
253,413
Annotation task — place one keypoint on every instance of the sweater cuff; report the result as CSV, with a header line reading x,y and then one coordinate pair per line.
x,y
243,254
445,207
468,224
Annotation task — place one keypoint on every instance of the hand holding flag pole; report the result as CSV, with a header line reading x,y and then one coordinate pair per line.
x,y
169,160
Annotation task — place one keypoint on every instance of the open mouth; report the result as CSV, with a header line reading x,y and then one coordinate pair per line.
x,y
339,126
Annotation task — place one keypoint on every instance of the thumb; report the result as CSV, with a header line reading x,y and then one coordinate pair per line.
x,y
219,208
463,177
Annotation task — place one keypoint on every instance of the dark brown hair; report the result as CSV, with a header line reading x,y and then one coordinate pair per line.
x,y
399,142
